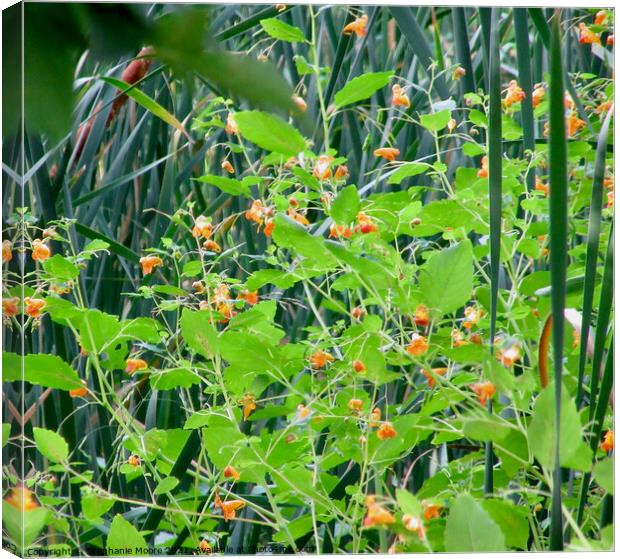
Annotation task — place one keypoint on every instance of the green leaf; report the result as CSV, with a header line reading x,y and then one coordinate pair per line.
x,y
165,485
26,526
470,528
51,445
124,539
512,519
47,370
346,205
407,170
270,132
447,279
6,433
60,268
290,234
604,474
226,184
198,332
361,87
145,101
173,378
282,31
542,432
436,121
95,506
408,503
478,118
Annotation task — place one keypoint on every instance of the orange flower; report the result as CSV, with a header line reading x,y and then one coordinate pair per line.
x,y
249,405
227,166
303,411
458,339
514,94
202,227
568,101
133,365
299,218
399,97
484,391
227,312
608,442
358,312
211,246
300,103
604,107
320,358
269,227
339,231
150,262
355,404
256,212
387,153
541,187
509,356
608,182
204,546
322,169
134,461
40,251
600,17
375,417
417,346
414,524
231,472
365,224
10,306
199,287
610,199
221,293
430,378
79,392
7,255
610,41
377,515
359,367
228,508
431,510
538,95
231,124
475,338
458,73
586,37
34,306
386,431
358,26
573,124
342,172
472,316
483,172
22,498
250,297
421,317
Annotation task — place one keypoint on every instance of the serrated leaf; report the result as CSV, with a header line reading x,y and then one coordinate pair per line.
x,y
436,121
124,539
361,87
346,205
282,31
270,132
51,445
470,528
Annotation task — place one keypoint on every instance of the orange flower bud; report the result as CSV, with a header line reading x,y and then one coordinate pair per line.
x,y
483,173
79,392
231,472
608,442
355,404
7,254
359,367
458,73
211,246
300,103
227,166
133,365
249,405
365,224
358,312
421,317
538,95
269,227
134,461
341,173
